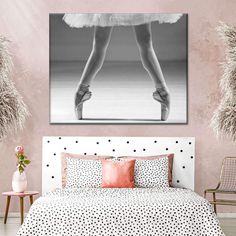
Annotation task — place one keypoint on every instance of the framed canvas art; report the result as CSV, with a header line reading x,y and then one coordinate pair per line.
x,y
119,68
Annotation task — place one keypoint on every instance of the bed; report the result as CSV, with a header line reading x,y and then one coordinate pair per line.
x,y
121,211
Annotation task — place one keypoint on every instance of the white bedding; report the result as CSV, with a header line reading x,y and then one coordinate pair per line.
x,y
111,212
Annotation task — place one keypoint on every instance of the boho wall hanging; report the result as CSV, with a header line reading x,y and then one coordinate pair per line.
x,y
13,110
224,118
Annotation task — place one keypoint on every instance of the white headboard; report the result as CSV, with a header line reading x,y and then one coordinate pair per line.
x,y
182,147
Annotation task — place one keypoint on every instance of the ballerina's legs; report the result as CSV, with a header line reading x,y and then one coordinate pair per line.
x,y
149,60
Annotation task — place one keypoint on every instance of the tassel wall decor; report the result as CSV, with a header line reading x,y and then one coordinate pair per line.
x,y
224,118
13,111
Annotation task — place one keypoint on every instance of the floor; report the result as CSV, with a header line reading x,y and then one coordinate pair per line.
x,y
121,93
10,229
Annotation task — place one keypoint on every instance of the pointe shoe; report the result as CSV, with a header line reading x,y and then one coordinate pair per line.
x,y
162,95
81,96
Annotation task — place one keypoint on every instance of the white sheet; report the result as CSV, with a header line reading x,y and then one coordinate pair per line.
x,y
125,212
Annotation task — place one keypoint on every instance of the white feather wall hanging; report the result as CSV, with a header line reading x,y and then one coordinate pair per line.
x,y
13,111
224,118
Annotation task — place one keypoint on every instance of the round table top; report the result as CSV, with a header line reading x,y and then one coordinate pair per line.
x,y
26,193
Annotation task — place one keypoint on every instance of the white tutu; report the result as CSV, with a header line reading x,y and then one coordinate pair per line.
x,y
113,19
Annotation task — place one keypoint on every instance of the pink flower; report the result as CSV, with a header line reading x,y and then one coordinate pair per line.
x,y
19,150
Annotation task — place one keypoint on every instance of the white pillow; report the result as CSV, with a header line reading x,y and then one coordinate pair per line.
x,y
151,173
83,173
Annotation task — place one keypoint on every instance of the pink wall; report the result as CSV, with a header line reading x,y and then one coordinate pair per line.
x,y
25,23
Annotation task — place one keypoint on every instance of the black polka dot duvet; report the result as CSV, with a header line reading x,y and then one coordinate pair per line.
x,y
124,212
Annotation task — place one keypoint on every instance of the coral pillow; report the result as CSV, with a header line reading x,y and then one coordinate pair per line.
x,y
118,174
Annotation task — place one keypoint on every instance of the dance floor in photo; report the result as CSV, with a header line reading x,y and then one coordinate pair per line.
x,y
121,93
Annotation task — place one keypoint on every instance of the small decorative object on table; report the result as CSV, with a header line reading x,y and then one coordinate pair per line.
x,y
19,181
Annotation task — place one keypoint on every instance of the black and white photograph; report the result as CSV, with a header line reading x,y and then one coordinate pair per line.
x,y
118,68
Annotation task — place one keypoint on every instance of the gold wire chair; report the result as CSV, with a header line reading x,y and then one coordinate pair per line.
x,y
227,184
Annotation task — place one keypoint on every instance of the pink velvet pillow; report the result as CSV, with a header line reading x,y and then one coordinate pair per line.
x,y
118,174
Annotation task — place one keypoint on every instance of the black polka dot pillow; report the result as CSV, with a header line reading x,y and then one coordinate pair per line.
x,y
170,157
84,156
83,173
151,173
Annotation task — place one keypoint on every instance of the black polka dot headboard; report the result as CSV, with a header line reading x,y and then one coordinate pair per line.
x,y
182,147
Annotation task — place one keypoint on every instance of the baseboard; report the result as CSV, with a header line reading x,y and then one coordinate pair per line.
x,y
12,214
226,215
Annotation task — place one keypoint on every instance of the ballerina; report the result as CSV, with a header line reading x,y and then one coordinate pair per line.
x,y
103,25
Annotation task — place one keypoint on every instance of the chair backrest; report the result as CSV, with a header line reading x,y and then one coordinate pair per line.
x,y
228,175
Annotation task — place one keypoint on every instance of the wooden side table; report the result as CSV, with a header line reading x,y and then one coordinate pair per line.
x,y
21,196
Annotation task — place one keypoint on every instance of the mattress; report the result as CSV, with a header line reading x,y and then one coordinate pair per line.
x,y
126,212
